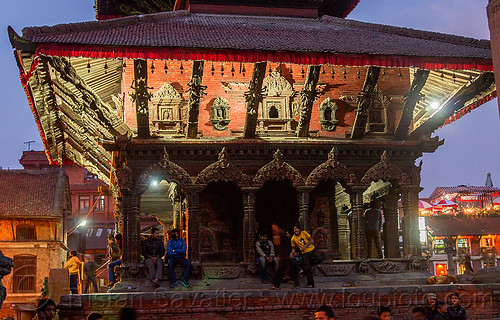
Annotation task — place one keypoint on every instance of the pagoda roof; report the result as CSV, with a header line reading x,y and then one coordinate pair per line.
x,y
462,189
33,193
326,35
463,226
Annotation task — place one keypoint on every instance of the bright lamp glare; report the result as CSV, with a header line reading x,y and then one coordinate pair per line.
x,y
154,183
435,105
84,222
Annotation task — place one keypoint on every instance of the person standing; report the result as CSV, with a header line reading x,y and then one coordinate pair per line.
x,y
89,269
311,257
153,250
430,307
267,256
45,309
324,313
441,313
373,224
456,311
115,255
73,265
176,254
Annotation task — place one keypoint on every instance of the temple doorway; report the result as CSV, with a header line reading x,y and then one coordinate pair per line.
x,y
276,205
221,223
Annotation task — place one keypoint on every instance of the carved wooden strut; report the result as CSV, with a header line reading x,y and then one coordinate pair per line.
x,y
196,91
253,98
364,101
308,95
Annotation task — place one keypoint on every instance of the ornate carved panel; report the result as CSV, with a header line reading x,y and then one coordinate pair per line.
x,y
222,272
275,113
222,170
377,112
163,170
320,238
277,170
167,115
327,113
385,171
336,269
388,266
220,114
330,169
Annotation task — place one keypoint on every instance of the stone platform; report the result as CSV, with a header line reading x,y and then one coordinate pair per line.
x,y
481,300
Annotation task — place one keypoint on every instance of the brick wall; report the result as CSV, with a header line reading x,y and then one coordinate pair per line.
x,y
481,301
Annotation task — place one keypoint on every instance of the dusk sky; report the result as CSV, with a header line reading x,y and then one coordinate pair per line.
x,y
471,148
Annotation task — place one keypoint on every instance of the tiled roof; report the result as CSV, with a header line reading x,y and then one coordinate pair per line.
x,y
440,191
26,193
181,29
453,226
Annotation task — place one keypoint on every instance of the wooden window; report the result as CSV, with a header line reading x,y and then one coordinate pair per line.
x,y
99,203
487,242
25,232
463,246
24,274
83,203
439,246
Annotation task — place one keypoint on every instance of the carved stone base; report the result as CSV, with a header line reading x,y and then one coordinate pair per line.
x,y
222,271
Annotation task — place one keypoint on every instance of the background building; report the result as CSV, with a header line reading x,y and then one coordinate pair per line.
x,y
33,207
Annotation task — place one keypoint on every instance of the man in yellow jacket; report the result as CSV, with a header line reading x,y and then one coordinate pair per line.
x,y
73,264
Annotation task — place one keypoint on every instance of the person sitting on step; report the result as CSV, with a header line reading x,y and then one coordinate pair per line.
x,y
176,254
266,255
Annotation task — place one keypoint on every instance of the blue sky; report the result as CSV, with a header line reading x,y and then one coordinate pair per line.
x,y
471,146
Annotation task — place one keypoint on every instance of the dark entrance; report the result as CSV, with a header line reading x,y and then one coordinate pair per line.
x,y
276,204
221,223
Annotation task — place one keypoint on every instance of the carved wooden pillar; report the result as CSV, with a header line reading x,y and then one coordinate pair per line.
x,y
304,208
177,215
249,224
358,239
193,224
391,225
118,210
308,95
196,91
253,98
130,231
411,237
141,97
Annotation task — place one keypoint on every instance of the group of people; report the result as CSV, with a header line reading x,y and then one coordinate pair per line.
x,y
297,252
74,266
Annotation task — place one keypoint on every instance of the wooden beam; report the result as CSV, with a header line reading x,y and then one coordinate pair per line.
x,y
253,98
454,103
364,101
141,97
308,95
196,91
410,103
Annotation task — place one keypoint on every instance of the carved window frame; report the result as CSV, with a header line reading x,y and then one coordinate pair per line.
x,y
167,100
24,274
328,124
219,114
278,92
379,105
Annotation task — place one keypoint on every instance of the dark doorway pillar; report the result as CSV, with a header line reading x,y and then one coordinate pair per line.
x,y
358,238
249,224
391,235
304,208
193,224
411,237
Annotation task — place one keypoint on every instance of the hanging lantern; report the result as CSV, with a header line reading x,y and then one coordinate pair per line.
x,y
165,68
222,69
88,66
152,67
232,69
290,71
181,68
323,70
333,73
106,66
213,69
358,74
345,74
383,72
270,69
454,77
243,70
442,75
302,73
124,65
400,74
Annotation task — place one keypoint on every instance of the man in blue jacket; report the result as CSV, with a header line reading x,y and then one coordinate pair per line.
x,y
176,254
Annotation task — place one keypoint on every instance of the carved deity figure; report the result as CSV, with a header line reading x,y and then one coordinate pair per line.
x,y
6,265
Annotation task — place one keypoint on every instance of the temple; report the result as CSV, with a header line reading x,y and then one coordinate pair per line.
x,y
239,118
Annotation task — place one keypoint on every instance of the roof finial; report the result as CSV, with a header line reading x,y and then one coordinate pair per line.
x,y
489,182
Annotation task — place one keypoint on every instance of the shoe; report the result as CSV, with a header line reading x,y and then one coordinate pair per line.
x,y
264,281
310,286
185,284
156,282
173,284
275,288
